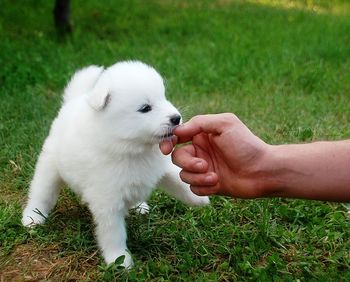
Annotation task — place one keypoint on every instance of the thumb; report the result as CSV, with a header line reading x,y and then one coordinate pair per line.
x,y
167,146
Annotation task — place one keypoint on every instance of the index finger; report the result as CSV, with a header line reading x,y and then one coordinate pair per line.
x,y
210,124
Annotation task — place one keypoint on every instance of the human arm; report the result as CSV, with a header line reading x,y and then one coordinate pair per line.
x,y
226,158
319,170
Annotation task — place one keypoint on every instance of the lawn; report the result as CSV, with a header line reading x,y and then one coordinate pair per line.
x,y
282,66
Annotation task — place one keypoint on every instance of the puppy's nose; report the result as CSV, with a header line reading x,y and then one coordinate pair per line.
x,y
175,119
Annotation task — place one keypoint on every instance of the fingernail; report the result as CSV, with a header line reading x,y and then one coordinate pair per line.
x,y
199,165
209,179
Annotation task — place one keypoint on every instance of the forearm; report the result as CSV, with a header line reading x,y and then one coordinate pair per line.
x,y
319,171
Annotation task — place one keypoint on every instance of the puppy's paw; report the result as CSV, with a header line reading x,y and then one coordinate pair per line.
x,y
200,201
142,208
116,256
32,217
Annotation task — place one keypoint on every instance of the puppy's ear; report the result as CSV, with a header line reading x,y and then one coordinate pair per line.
x,y
82,82
99,96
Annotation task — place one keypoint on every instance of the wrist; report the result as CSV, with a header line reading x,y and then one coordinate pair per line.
x,y
272,172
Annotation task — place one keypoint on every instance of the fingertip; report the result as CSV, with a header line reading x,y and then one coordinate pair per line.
x,y
178,128
199,165
178,131
211,179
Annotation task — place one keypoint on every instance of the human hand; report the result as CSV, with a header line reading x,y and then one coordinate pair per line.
x,y
224,156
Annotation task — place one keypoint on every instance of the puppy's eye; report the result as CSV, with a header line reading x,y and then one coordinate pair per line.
x,y
145,108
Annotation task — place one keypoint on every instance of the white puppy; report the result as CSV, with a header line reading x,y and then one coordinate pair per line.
x,y
104,145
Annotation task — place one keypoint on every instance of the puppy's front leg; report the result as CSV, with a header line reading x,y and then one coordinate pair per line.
x,y
172,184
111,234
43,192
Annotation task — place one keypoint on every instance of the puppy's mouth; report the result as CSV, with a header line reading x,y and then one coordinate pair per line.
x,y
167,134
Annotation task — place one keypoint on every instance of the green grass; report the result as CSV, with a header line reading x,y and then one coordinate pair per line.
x,y
284,71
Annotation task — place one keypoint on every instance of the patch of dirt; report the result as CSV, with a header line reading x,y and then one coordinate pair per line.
x,y
30,263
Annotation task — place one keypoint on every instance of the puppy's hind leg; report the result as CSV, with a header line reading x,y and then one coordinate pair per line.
x,y
43,192
172,184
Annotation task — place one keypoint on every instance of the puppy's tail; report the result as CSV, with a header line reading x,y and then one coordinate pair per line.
x,y
82,82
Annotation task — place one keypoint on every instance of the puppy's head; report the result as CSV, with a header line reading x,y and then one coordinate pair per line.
x,y
129,100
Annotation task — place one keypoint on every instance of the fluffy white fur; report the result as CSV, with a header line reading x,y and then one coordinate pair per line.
x,y
104,145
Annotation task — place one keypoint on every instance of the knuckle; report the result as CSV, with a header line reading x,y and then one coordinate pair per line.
x,y
228,120
230,117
